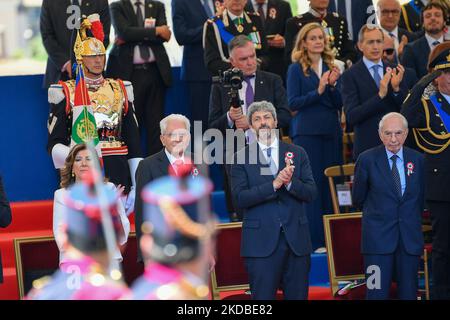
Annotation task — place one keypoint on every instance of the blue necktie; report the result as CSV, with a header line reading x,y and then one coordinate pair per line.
x,y
207,8
396,175
273,166
376,75
435,43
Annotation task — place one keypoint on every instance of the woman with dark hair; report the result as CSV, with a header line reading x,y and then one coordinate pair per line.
x,y
77,164
316,103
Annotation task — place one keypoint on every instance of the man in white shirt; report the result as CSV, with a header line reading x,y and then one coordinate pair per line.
x,y
175,138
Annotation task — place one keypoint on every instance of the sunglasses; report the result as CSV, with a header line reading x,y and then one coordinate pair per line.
x,y
389,51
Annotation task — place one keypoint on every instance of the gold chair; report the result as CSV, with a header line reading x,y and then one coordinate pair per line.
x,y
229,272
345,171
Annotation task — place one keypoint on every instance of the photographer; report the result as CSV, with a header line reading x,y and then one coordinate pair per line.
x,y
256,86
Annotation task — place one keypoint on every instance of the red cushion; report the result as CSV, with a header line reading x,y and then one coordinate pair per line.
x,y
230,268
346,239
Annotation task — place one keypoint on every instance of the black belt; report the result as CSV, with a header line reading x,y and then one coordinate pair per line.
x,y
144,66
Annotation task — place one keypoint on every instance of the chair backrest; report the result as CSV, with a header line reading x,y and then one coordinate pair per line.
x,y
229,272
343,242
345,171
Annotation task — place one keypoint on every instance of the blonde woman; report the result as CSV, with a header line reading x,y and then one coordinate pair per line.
x,y
314,99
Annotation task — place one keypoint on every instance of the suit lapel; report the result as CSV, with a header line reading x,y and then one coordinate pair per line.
x,y
163,162
259,87
385,169
150,10
198,7
282,149
128,7
407,159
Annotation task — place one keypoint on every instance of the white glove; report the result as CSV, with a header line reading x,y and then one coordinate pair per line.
x,y
128,201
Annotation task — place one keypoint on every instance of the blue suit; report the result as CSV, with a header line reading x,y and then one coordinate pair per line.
x,y
316,128
276,242
415,56
391,224
189,16
363,106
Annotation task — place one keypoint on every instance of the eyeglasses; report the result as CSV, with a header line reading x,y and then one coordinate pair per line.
x,y
389,51
387,12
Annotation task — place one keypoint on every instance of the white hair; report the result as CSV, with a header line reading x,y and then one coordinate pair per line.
x,y
179,117
391,115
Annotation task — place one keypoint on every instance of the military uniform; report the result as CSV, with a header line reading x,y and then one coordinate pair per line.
x,y
429,116
410,18
79,279
111,104
335,28
220,30
81,276
117,128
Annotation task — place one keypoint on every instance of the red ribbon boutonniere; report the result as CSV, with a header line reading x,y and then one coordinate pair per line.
x,y
289,158
273,13
410,168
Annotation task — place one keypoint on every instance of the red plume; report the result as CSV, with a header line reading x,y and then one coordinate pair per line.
x,y
97,27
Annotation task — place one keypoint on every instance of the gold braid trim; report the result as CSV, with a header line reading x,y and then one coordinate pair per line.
x,y
417,134
405,17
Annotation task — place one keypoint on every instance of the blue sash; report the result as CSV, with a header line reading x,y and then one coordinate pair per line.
x,y
413,5
224,34
445,117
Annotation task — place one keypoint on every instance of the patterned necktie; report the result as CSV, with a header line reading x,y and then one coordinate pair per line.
x,y
143,50
208,11
273,166
261,13
376,75
396,175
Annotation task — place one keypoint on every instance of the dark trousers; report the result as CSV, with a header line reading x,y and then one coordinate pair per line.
x,y
281,269
149,94
402,266
440,258
198,95
323,151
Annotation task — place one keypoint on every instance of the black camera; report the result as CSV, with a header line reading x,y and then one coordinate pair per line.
x,y
231,78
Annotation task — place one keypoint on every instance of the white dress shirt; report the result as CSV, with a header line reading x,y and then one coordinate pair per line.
x,y
430,40
137,59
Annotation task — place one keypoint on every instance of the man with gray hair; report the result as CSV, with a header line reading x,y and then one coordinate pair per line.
x,y
271,180
175,138
389,186
230,118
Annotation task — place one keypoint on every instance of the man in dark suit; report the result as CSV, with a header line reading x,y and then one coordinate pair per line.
x,y
370,89
410,18
175,138
389,16
389,185
427,113
221,29
57,37
5,217
335,27
271,180
273,14
257,86
138,55
189,16
357,13
416,54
